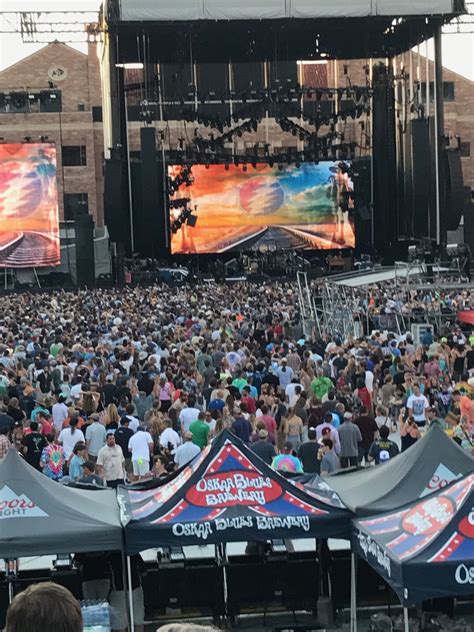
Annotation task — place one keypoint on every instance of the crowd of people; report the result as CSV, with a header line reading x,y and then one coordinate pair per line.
x,y
112,386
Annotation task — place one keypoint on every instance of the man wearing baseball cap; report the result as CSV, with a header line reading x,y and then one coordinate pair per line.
x,y
349,437
263,448
187,451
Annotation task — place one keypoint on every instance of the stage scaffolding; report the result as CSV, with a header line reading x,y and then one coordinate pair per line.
x,y
341,304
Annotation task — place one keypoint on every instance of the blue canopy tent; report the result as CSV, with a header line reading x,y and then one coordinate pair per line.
x,y
425,549
227,494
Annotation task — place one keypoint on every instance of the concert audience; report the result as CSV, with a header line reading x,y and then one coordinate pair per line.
x,y
121,376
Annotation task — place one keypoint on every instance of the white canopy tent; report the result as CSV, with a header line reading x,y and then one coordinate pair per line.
x,y
170,10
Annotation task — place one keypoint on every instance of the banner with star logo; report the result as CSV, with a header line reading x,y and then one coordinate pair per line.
x,y
227,494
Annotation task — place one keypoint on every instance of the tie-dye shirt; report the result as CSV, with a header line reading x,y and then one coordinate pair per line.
x,y
53,458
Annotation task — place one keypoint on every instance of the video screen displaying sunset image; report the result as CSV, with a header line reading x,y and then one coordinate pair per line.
x,y
29,220
294,208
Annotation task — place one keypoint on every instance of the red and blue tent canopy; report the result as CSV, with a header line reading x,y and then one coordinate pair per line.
x,y
227,494
425,549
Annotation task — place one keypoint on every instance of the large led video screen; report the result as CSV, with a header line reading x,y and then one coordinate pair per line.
x,y
29,217
299,208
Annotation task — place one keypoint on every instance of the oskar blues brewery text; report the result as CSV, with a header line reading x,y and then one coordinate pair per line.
x,y
235,488
369,547
464,574
203,530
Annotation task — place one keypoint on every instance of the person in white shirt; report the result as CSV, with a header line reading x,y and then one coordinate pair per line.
x,y
369,381
76,389
111,462
326,429
68,437
188,415
60,413
141,447
169,436
417,405
293,392
134,422
186,452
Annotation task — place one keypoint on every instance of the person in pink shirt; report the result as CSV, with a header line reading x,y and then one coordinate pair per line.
x,y
270,424
432,368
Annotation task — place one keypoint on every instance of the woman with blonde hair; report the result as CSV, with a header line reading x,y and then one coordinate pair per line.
x,y
111,417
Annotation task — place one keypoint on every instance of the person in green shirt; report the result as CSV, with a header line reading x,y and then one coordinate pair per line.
x,y
200,430
55,348
239,382
321,385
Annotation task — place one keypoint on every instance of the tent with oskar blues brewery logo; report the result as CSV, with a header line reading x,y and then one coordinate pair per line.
x,y
424,550
427,466
227,494
41,517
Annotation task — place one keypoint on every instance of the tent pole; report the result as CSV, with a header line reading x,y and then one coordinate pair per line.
x,y
130,594
353,594
224,577
221,556
125,584
405,618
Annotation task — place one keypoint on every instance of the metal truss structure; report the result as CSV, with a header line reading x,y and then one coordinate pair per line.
x,y
43,27
463,24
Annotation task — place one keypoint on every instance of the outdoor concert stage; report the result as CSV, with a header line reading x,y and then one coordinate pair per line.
x,y
213,73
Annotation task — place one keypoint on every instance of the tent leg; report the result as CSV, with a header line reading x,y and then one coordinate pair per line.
x,y
130,594
353,627
221,555
405,618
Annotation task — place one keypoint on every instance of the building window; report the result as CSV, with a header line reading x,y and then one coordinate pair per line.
x,y
448,91
75,204
465,149
74,156
97,114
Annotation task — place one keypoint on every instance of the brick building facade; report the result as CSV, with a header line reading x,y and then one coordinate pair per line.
x,y
56,93
74,120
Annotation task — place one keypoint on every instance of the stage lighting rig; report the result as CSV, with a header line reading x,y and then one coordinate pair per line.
x,y
179,203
